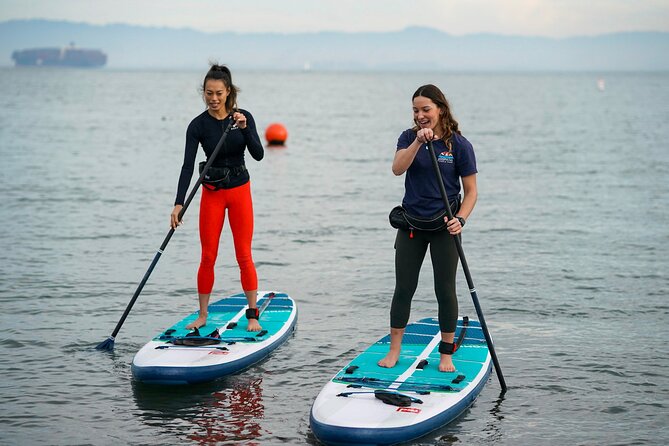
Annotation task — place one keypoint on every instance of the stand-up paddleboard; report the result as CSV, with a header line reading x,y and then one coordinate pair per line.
x,y
368,404
220,348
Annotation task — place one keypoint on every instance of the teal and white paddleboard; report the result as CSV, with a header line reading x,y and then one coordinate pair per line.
x,y
222,347
368,404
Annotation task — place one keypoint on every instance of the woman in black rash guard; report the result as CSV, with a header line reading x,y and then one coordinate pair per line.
x,y
231,192
455,155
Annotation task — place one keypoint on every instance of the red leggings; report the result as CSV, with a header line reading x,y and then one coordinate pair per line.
x,y
239,204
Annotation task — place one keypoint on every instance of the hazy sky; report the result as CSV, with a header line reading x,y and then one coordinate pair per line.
x,y
552,18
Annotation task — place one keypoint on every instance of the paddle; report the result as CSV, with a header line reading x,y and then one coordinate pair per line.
x,y
268,299
463,261
108,344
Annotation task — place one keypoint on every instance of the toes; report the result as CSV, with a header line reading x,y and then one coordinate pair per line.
x,y
448,367
386,363
196,324
253,327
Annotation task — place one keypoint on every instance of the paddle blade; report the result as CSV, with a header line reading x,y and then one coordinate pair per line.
x,y
106,345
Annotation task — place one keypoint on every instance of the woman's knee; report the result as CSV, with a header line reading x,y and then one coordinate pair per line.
x,y
208,259
245,261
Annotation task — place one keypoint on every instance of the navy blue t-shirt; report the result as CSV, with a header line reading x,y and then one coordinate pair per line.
x,y
422,197
206,130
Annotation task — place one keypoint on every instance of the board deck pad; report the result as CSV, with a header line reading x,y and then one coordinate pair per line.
x,y
164,360
228,309
348,412
468,360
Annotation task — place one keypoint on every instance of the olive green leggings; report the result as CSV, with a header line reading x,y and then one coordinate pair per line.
x,y
409,255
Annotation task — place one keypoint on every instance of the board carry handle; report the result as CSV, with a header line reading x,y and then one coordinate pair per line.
x,y
108,344
465,268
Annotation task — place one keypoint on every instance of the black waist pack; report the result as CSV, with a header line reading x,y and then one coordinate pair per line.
x,y
401,219
219,177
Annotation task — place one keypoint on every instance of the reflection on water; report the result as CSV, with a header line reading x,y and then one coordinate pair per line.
x,y
490,427
493,424
227,411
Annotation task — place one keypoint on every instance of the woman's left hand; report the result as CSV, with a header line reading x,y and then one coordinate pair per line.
x,y
453,225
240,119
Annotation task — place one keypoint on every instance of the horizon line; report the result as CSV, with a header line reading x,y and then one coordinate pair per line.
x,y
288,33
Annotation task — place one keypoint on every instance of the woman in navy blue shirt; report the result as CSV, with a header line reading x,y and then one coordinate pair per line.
x,y
434,122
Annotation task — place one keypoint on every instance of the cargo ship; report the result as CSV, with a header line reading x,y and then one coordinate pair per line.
x,y
60,57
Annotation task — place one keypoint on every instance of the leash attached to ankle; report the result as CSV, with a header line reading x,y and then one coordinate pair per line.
x,y
447,348
252,313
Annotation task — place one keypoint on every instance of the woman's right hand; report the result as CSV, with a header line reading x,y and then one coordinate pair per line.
x,y
425,135
174,216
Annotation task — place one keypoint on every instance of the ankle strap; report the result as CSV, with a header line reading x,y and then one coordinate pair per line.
x,y
252,313
447,348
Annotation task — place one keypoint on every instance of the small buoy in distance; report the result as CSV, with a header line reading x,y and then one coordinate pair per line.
x,y
276,134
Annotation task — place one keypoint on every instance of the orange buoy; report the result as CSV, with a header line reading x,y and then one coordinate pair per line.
x,y
276,134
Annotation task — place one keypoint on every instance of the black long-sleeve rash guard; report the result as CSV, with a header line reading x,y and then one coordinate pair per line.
x,y
206,130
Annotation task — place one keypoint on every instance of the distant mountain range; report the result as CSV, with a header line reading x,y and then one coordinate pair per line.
x,y
412,49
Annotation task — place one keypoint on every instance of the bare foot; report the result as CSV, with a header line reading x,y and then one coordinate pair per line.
x,y
446,363
197,323
390,360
253,325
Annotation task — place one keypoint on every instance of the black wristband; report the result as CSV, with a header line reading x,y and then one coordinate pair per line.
x,y
462,221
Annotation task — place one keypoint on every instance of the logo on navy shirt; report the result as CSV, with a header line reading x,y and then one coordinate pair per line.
x,y
445,157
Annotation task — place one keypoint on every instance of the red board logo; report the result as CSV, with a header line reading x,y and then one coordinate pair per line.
x,y
218,352
408,409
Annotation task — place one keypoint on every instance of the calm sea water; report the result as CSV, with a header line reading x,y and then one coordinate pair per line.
x,y
568,248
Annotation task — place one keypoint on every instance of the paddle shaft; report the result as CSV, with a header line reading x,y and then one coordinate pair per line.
x,y
268,298
193,191
468,276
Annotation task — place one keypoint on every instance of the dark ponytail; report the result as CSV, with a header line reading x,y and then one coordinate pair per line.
x,y
221,72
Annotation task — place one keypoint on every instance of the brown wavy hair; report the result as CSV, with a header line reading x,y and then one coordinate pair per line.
x,y
447,123
221,72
